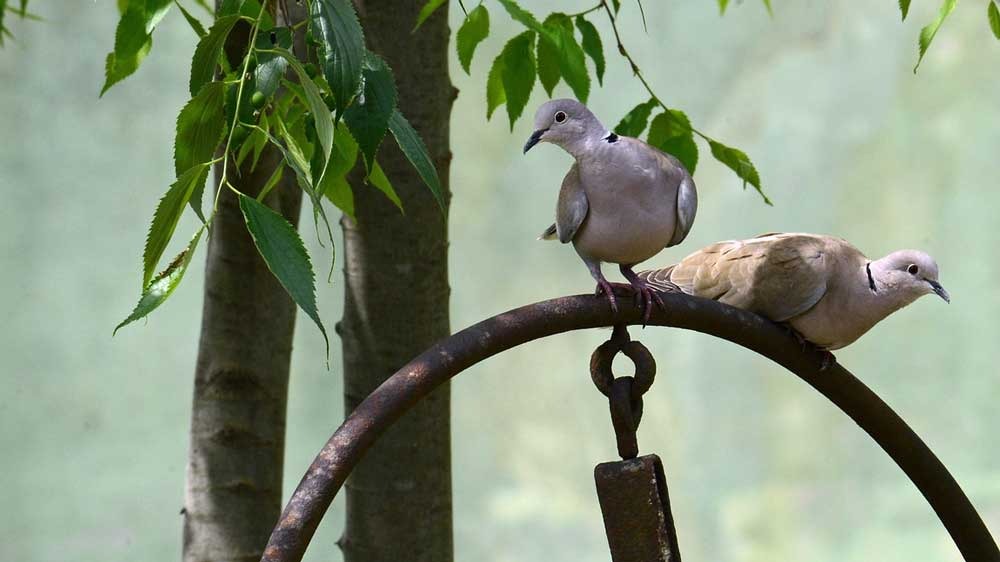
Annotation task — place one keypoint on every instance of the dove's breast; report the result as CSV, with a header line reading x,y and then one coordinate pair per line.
x,y
632,209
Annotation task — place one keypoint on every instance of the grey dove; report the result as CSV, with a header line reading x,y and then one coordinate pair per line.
x,y
621,202
822,287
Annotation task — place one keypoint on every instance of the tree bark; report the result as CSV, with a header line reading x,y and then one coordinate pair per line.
x,y
396,305
234,474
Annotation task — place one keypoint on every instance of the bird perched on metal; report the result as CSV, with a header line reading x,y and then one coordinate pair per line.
x,y
621,202
822,287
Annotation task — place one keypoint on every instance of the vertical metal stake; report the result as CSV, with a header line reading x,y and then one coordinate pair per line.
x,y
636,509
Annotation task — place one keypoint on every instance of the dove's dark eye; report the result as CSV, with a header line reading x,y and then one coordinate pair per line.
x,y
912,269
560,116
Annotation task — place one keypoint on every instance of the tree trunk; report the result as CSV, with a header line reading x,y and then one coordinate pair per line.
x,y
234,474
396,305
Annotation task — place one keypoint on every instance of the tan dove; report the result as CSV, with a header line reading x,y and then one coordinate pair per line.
x,y
821,286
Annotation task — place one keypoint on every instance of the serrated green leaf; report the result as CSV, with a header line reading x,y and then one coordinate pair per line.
x,y
368,116
518,74
200,126
294,156
416,152
522,16
338,191
429,8
285,255
634,122
495,95
271,67
930,30
904,8
474,29
193,22
163,285
737,161
206,54
548,63
342,45
272,181
132,44
993,14
168,213
672,134
378,179
591,42
155,11
572,64
320,113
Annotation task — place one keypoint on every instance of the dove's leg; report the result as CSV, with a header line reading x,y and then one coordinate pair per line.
x,y
645,295
603,287
828,359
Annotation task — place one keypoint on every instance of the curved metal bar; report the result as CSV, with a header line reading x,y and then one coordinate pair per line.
x,y
454,354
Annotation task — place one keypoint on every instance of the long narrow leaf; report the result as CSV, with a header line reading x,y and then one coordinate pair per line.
x,y
335,26
930,30
285,255
167,214
416,152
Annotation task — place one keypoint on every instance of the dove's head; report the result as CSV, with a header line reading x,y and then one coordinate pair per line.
x,y
566,123
910,274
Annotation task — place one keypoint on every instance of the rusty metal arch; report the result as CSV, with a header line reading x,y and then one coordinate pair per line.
x,y
460,351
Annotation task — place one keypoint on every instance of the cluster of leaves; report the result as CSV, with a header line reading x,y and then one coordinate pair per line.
x,y
321,116
556,49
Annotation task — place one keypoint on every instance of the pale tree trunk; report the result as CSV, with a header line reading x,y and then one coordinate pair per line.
x,y
396,305
234,474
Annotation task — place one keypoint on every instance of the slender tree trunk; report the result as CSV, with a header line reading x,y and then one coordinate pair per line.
x,y
234,474
396,305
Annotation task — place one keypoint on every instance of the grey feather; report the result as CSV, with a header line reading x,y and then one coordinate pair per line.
x,y
572,208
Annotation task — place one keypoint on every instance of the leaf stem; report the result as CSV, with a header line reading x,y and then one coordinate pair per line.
x,y
223,179
642,79
588,10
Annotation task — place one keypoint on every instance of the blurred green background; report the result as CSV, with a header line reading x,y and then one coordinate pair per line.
x,y
821,95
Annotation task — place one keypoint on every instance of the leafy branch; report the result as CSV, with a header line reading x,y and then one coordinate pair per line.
x,y
322,118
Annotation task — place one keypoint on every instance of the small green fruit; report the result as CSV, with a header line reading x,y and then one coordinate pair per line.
x,y
258,100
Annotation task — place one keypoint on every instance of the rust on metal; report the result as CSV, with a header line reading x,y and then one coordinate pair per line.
x,y
636,509
327,473
624,393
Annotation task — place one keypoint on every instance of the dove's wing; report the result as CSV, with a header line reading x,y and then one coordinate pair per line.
x,y
571,210
778,276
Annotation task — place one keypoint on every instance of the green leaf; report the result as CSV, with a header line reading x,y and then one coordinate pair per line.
x,y
206,54
722,6
572,64
368,116
474,29
320,113
342,45
378,179
271,67
429,8
338,191
592,45
285,255
634,122
617,5
132,44
930,30
737,161
495,95
767,4
672,133
167,214
193,22
272,181
904,8
155,11
522,16
518,74
294,156
993,14
548,63
200,126
416,152
163,285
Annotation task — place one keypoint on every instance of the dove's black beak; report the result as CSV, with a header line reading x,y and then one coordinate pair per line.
x,y
534,139
939,290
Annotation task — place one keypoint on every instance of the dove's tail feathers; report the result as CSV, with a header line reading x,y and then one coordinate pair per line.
x,y
659,279
549,234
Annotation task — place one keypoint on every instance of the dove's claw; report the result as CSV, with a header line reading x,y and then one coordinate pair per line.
x,y
645,295
607,289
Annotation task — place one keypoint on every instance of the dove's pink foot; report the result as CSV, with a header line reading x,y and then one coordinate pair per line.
x,y
645,296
